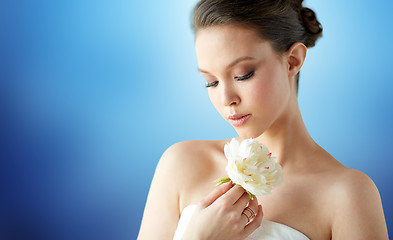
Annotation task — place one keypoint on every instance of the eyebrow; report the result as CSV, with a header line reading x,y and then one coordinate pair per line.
x,y
238,60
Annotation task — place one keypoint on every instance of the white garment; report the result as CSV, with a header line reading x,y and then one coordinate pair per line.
x,y
268,231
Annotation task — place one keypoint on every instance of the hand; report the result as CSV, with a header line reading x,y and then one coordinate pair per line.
x,y
223,215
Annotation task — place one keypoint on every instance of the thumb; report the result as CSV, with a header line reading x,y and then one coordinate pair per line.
x,y
216,193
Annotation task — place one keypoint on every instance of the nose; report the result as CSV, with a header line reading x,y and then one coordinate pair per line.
x,y
229,96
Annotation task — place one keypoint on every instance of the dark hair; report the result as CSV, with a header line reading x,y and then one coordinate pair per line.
x,y
282,22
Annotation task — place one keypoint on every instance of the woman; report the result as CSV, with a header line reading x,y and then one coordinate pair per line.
x,y
250,53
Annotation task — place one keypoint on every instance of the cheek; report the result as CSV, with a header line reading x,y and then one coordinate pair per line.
x,y
271,90
261,90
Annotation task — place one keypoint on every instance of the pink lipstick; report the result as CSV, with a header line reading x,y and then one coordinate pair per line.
x,y
238,120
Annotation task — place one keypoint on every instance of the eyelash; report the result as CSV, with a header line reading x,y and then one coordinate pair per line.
x,y
212,84
247,76
241,78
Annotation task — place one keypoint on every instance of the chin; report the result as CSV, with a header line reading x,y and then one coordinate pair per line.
x,y
249,133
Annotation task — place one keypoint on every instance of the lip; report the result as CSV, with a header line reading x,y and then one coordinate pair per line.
x,y
238,120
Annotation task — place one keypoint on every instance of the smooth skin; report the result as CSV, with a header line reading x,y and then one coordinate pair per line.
x,y
319,196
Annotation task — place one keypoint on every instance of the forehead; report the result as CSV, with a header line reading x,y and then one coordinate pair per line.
x,y
219,45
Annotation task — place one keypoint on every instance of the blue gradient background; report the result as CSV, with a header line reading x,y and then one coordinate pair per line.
x,y
93,92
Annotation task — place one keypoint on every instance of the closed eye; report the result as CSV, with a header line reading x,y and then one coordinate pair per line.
x,y
212,84
247,76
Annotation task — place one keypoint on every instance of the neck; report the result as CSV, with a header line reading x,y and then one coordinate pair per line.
x,y
288,138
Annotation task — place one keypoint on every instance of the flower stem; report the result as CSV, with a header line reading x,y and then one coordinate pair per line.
x,y
221,180
251,195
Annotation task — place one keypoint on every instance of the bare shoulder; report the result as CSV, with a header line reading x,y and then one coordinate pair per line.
x,y
355,206
172,162
194,165
182,166
348,181
181,160
189,155
188,149
351,185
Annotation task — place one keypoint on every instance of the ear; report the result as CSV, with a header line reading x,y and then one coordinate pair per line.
x,y
295,57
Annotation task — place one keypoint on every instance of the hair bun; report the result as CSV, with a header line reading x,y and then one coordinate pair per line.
x,y
312,26
296,4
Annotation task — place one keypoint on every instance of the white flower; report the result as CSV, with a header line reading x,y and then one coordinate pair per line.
x,y
251,166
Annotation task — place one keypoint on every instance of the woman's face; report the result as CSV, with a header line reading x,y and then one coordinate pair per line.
x,y
247,80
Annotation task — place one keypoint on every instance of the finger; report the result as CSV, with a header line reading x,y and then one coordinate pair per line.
x,y
255,223
250,209
253,205
216,193
245,218
233,194
242,202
